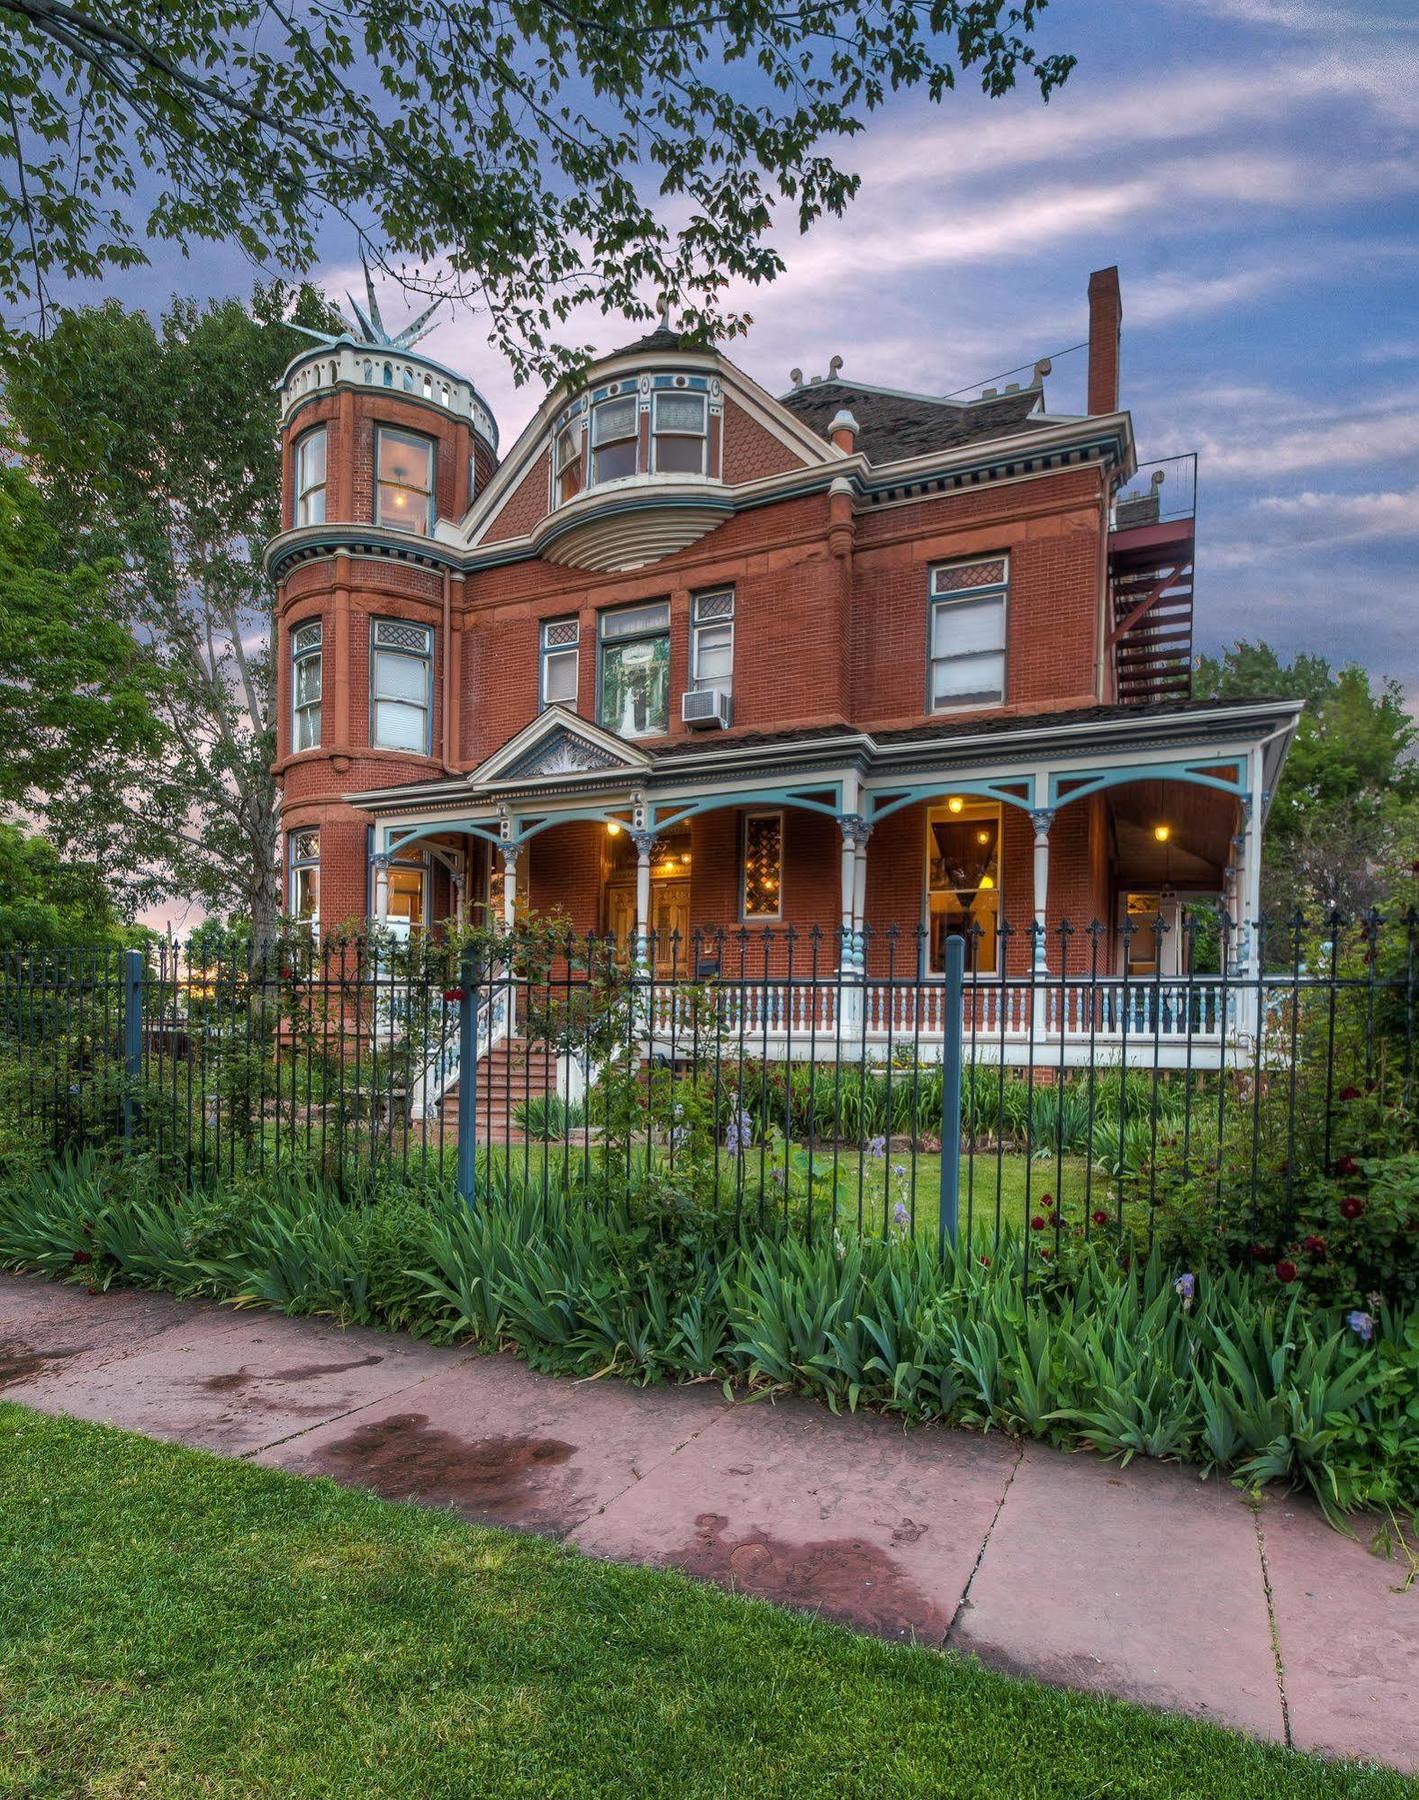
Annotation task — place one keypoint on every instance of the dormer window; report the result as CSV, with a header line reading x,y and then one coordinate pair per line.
x,y
613,439
568,456
678,434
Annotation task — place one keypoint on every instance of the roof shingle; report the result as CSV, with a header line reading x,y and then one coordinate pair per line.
x,y
893,426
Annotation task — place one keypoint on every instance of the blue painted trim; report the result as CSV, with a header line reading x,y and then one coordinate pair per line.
x,y
676,812
989,789
1191,771
413,834
604,815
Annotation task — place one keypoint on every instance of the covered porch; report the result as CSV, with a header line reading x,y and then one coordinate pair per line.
x,y
1104,872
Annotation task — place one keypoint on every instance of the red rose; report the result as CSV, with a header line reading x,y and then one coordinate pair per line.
x,y
1260,1253
453,995
1313,1246
1351,1206
984,1262
1037,1223
1285,1270
1347,1166
1100,1216
1349,1093
1046,1199
82,1256
1045,1251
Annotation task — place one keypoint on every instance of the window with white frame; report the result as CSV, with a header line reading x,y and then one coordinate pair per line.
x,y
761,866
561,661
404,489
310,477
567,458
401,685
305,685
678,433
613,438
712,641
968,604
406,895
635,670
963,882
305,878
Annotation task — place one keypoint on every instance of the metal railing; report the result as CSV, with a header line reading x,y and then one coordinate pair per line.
x,y
784,1074
1159,493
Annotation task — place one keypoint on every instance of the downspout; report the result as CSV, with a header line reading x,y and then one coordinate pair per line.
x,y
448,673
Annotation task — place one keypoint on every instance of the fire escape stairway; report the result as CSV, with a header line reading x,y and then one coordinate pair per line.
x,y
1152,630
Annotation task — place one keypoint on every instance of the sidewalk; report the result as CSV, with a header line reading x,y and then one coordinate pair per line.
x,y
1141,1582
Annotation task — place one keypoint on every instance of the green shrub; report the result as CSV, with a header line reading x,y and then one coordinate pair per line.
x,y
1227,1370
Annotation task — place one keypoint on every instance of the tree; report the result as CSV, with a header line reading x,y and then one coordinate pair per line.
x,y
154,452
524,146
48,903
1343,814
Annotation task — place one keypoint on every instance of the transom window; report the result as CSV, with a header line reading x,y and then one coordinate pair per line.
x,y
305,686
310,477
761,886
613,438
968,634
401,685
678,433
963,882
305,878
712,640
404,492
568,461
561,661
635,670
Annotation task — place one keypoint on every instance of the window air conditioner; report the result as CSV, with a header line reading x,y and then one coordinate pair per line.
x,y
707,709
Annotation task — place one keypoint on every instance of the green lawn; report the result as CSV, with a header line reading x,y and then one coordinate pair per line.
x,y
172,1624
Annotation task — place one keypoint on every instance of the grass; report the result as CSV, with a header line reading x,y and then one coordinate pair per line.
x,y
173,1624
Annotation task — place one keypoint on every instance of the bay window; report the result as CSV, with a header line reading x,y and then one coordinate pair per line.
x,y
635,670
761,867
561,661
712,641
401,685
310,477
567,457
404,489
613,438
305,878
678,433
967,654
963,883
305,685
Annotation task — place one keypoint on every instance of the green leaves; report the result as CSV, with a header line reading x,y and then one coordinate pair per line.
x,y
537,152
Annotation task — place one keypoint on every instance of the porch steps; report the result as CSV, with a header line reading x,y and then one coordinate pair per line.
x,y
510,1073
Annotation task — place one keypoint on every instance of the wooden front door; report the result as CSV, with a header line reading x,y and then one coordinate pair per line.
x,y
669,914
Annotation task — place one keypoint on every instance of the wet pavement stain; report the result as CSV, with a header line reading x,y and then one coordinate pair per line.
x,y
237,1379
847,1579
496,1479
22,1362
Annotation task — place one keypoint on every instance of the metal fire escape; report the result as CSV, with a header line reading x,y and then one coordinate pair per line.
x,y
1151,543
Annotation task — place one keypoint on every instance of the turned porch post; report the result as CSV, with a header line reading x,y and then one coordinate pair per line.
x,y
510,854
644,842
852,965
1041,817
381,889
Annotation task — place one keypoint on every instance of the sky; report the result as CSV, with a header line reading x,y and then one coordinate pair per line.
x,y
1252,167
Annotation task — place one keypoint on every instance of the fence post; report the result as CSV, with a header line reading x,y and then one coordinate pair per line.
x,y
132,1037
953,1033
470,975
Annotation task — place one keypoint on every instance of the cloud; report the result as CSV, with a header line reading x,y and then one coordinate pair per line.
x,y
1327,518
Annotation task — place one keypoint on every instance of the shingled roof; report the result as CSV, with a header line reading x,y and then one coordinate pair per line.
x,y
892,425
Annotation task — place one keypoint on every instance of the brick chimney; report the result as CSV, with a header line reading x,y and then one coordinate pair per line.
x,y
1105,321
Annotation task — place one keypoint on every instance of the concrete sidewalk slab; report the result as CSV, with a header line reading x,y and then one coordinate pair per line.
x,y
850,1517
231,1383
1350,1642
501,1444
46,1327
1142,1582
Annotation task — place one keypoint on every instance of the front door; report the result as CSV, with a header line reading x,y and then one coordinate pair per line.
x,y
669,915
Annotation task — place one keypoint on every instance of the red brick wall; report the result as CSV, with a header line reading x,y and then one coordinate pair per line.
x,y
351,418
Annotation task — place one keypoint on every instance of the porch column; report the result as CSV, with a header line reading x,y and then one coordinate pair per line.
x,y
381,890
510,854
852,963
644,842
1041,817
458,877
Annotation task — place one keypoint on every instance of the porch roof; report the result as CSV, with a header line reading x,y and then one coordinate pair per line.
x,y
1025,758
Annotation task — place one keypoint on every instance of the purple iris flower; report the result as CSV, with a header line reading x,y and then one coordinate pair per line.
x,y
1362,1325
877,1146
1186,1287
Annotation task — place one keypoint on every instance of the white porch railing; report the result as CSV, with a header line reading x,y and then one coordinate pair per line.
x,y
445,1060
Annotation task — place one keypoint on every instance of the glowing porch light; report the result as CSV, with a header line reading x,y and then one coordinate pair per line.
x,y
613,828
1162,833
954,803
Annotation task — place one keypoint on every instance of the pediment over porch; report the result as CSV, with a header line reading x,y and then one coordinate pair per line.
x,y
559,744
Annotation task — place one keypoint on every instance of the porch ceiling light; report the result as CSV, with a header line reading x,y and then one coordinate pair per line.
x,y
982,837
1162,833
613,828
954,803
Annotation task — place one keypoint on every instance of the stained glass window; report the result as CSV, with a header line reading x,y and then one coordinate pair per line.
x,y
635,670
762,891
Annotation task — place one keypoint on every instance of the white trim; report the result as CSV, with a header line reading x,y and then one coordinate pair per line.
x,y
554,719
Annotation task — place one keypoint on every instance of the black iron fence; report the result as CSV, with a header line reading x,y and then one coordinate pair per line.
x,y
1036,1087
